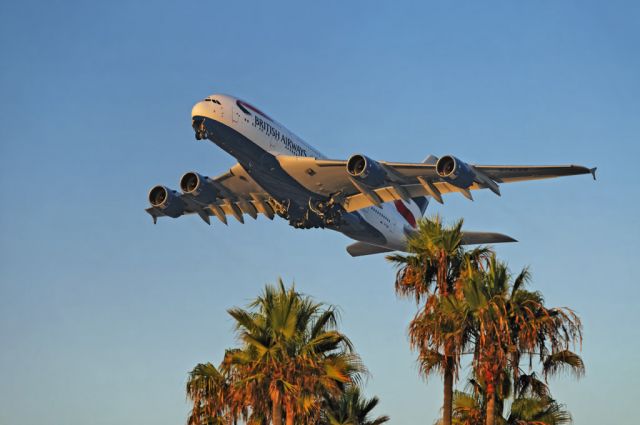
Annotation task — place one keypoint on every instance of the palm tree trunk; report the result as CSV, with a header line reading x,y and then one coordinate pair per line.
x,y
290,415
491,409
276,409
515,366
447,407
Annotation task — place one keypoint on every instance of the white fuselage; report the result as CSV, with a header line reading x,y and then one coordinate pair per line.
x,y
392,219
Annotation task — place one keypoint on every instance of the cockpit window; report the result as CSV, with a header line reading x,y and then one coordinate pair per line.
x,y
213,100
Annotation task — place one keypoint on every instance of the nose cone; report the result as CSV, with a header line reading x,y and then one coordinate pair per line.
x,y
204,109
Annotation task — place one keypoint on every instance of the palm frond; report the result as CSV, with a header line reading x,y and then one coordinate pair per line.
x,y
562,361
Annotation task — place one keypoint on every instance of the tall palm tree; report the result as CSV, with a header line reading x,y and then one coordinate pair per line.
x,y
486,303
436,264
293,352
512,322
350,408
442,333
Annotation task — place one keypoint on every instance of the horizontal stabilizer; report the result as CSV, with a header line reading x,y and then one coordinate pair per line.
x,y
476,238
359,249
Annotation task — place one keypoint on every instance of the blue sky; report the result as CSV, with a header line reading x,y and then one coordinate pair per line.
x,y
103,314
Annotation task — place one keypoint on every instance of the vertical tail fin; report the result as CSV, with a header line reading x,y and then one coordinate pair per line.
x,y
431,160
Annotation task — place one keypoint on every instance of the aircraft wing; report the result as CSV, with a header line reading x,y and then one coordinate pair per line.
x,y
236,193
389,181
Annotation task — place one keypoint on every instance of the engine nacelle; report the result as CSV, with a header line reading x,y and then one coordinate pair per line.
x,y
366,170
200,187
166,200
454,171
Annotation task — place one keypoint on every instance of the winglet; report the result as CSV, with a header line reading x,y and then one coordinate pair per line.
x,y
593,172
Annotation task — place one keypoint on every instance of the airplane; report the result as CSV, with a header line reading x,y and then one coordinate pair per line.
x,y
376,203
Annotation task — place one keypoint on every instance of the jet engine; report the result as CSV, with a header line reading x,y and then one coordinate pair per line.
x,y
200,187
454,171
366,170
166,200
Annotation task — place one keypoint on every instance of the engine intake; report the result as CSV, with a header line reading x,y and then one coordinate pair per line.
x,y
200,187
454,171
167,201
366,170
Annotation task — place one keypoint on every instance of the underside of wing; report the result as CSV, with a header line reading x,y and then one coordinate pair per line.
x,y
233,193
361,182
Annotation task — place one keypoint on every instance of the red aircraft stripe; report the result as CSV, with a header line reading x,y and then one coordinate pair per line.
x,y
408,215
254,109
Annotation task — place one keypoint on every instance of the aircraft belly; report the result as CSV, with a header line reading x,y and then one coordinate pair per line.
x,y
260,164
356,227
265,169
387,224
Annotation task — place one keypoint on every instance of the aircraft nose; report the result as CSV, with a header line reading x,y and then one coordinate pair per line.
x,y
200,112
202,109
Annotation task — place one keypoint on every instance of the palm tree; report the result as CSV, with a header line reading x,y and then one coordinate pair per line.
x,y
208,389
291,352
539,330
442,332
350,408
484,298
436,265
512,322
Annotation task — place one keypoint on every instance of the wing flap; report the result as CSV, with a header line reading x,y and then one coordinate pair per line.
x,y
388,194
